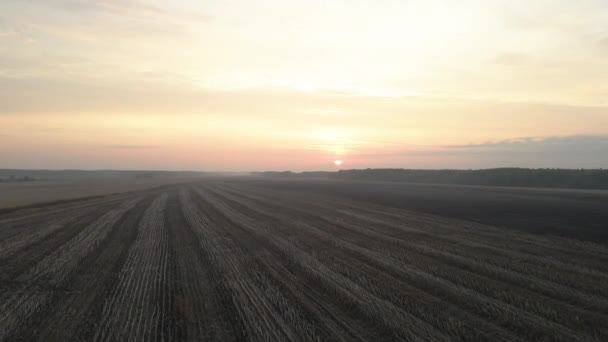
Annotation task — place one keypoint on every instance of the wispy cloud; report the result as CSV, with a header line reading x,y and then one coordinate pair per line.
x,y
555,143
510,59
130,147
577,151
115,6
9,29
120,7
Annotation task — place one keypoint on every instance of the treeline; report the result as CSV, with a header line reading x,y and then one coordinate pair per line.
x,y
545,178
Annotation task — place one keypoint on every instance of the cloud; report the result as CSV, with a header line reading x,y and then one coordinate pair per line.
x,y
131,7
130,147
101,28
8,29
510,59
555,143
112,6
576,151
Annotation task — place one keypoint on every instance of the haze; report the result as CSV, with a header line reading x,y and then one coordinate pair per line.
x,y
249,85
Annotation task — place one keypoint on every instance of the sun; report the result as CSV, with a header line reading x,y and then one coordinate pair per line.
x,y
338,162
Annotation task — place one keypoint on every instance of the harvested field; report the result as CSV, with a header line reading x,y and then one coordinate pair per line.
x,y
246,259
20,194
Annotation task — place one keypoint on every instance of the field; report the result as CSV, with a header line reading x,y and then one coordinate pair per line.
x,y
250,259
30,193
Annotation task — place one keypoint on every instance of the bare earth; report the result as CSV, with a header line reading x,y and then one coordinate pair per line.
x,y
233,260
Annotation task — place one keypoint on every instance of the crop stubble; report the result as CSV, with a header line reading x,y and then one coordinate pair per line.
x,y
229,261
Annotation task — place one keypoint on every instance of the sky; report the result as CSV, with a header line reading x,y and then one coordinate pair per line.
x,y
241,85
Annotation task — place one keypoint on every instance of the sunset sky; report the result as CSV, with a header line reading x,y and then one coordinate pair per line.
x,y
274,85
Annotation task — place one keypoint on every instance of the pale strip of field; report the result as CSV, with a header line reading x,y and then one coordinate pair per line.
x,y
28,193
